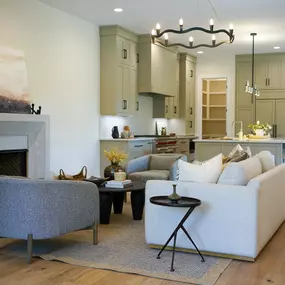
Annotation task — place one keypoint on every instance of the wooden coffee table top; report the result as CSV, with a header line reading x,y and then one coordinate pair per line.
x,y
137,186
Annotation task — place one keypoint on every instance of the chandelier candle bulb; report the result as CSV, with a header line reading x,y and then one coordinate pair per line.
x,y
181,24
213,40
191,41
231,28
166,39
157,28
153,32
211,24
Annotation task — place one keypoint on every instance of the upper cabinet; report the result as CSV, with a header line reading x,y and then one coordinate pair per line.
x,y
156,67
187,75
118,71
269,72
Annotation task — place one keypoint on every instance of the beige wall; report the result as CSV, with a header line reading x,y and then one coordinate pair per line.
x,y
62,55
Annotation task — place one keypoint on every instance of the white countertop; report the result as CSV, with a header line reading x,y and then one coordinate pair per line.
x,y
271,141
127,140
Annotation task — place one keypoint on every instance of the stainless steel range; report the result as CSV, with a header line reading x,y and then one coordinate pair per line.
x,y
163,144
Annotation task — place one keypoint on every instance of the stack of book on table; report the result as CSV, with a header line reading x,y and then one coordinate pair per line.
x,y
118,184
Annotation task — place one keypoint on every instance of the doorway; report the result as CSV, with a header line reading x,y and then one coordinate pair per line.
x,y
214,107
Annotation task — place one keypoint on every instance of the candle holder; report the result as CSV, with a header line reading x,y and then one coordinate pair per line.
x,y
174,197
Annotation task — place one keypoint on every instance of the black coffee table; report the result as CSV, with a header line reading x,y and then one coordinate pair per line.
x,y
184,202
116,196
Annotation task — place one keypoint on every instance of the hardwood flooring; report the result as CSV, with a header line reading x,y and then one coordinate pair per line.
x,y
269,268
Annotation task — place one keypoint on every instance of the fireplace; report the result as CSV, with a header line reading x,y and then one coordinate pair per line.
x,y
13,162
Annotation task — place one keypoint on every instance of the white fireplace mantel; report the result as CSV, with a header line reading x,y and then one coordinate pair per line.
x,y
24,131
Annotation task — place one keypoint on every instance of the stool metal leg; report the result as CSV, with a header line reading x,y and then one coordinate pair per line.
x,y
173,252
186,233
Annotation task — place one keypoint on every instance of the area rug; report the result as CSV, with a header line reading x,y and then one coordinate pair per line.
x,y
122,248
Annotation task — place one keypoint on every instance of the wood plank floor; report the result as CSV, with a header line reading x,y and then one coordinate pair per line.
x,y
268,269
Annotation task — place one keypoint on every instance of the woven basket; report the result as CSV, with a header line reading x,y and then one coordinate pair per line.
x,y
80,176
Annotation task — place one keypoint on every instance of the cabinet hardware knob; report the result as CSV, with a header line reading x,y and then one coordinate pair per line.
x,y
175,110
191,110
139,145
138,58
191,124
191,73
125,104
138,105
166,108
125,56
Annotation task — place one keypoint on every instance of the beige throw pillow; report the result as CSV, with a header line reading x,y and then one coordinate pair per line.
x,y
207,172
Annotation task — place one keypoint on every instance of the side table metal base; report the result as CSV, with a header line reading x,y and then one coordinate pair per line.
x,y
174,235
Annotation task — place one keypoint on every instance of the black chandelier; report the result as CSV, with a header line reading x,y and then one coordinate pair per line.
x,y
252,89
157,34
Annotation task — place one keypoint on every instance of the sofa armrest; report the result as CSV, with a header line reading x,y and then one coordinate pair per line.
x,y
46,208
138,164
271,196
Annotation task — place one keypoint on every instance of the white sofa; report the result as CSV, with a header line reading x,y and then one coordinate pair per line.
x,y
235,221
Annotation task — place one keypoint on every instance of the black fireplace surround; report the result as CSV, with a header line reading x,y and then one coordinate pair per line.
x,y
13,162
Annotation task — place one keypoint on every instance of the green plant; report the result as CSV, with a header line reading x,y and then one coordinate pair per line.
x,y
260,126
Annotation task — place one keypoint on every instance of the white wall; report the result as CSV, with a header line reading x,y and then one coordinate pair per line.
x,y
62,54
141,124
217,65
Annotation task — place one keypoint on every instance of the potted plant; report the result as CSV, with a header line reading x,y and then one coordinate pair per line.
x,y
115,157
260,129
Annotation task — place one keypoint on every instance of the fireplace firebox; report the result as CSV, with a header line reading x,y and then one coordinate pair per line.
x,y
13,162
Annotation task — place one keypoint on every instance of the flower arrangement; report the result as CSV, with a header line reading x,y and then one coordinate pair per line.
x,y
115,156
258,127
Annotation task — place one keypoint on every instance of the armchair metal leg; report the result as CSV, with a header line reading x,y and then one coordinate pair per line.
x,y
30,248
95,234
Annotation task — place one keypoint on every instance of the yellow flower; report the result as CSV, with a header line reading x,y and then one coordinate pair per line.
x,y
115,156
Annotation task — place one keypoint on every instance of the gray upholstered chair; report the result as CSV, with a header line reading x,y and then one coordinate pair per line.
x,y
42,209
154,167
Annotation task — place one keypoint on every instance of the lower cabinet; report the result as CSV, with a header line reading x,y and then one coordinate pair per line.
x,y
133,149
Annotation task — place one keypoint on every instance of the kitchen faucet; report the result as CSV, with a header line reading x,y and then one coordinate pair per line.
x,y
240,133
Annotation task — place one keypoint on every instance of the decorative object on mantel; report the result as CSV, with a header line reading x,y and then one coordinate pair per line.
x,y
14,96
157,34
260,130
80,176
253,90
115,157
37,112
174,197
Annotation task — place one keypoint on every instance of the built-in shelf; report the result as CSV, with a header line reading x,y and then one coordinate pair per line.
x,y
214,107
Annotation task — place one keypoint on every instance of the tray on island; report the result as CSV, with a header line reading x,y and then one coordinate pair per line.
x,y
97,180
255,137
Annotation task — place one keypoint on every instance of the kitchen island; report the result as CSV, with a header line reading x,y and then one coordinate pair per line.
x,y
207,148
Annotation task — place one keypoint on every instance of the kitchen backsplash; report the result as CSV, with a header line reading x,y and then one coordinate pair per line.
x,y
141,124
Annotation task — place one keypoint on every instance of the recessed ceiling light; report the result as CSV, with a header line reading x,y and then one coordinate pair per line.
x,y
118,10
276,47
200,52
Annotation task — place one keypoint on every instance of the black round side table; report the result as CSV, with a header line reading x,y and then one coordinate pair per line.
x,y
184,202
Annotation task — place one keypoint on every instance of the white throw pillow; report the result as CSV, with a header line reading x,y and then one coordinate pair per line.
x,y
240,173
267,160
208,172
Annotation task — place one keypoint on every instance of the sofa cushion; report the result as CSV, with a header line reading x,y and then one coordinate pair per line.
x,y
162,162
240,173
149,175
208,172
267,160
241,157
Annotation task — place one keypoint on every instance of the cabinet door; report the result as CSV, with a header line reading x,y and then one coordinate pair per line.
x,y
243,73
274,74
265,111
246,115
280,117
261,74
126,52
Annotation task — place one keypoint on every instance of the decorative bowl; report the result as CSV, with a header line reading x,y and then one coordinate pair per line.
x,y
97,180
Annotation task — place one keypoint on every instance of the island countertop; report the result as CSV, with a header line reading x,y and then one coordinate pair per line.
x,y
247,141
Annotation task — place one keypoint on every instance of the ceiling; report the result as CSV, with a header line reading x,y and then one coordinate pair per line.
x,y
265,17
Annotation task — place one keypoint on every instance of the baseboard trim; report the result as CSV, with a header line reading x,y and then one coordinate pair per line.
x,y
216,254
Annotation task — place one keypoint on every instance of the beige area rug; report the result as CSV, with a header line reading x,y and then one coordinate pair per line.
x,y
122,248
